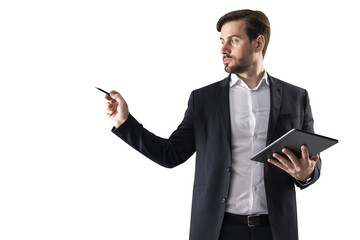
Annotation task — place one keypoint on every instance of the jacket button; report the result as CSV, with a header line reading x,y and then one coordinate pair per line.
x,y
223,200
228,169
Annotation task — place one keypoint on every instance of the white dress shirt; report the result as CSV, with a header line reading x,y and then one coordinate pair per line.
x,y
249,115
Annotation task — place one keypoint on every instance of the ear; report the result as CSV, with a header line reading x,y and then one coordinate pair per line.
x,y
259,43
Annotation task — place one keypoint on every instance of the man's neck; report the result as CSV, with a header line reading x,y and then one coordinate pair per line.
x,y
252,77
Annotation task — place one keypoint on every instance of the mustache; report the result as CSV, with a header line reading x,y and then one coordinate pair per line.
x,y
226,56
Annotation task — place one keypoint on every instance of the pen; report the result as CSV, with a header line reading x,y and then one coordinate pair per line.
x,y
102,90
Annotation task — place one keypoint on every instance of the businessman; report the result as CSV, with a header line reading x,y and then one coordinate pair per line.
x,y
225,124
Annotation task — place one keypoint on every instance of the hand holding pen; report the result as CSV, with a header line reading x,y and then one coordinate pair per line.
x,y
117,108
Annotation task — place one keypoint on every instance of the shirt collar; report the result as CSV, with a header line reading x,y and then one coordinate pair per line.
x,y
235,79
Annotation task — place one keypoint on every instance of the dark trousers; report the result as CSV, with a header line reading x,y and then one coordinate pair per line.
x,y
235,231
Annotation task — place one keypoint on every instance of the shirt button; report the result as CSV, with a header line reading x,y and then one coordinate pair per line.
x,y
223,200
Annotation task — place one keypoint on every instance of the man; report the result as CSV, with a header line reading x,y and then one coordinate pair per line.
x,y
225,124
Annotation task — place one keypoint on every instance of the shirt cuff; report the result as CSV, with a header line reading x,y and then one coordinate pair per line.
x,y
306,182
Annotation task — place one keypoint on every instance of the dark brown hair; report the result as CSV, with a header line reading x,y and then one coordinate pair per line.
x,y
256,24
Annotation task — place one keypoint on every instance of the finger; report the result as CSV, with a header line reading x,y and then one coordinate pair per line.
x,y
282,160
109,105
315,158
304,152
293,158
278,164
117,96
111,109
109,112
108,97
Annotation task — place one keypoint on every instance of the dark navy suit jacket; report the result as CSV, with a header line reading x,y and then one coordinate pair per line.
x,y
205,130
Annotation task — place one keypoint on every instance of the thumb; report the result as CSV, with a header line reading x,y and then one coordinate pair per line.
x,y
117,96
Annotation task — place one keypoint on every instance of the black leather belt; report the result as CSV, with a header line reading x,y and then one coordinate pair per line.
x,y
249,220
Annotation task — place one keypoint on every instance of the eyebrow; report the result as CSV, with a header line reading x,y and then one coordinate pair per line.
x,y
231,36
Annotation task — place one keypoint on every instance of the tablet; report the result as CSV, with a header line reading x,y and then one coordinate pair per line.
x,y
293,141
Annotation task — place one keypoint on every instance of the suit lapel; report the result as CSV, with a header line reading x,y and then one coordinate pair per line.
x,y
223,100
275,103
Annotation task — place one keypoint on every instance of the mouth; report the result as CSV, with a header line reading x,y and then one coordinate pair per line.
x,y
226,60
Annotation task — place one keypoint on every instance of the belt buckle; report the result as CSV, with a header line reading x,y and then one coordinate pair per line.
x,y
249,222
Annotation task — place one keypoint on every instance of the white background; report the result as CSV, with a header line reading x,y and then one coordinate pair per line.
x,y
64,175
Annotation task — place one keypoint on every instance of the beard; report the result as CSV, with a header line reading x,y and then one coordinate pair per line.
x,y
238,65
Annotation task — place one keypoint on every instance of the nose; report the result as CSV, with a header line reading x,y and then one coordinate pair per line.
x,y
225,49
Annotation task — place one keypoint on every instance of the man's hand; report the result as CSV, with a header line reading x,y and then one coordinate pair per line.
x,y
300,169
117,108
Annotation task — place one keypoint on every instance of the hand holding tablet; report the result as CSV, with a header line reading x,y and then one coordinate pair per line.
x,y
296,152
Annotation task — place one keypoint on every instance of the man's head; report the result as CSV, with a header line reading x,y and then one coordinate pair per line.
x,y
245,35
256,24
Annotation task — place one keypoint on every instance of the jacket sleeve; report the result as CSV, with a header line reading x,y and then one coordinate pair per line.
x,y
308,125
169,152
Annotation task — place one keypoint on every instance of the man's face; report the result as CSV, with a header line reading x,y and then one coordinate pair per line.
x,y
237,50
